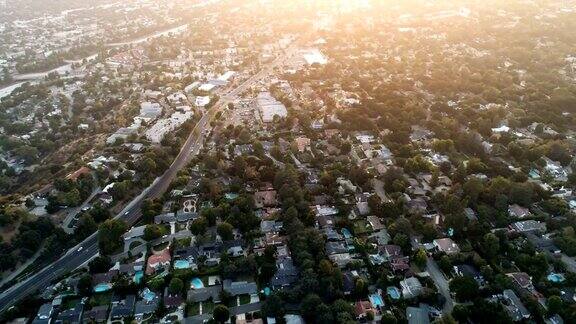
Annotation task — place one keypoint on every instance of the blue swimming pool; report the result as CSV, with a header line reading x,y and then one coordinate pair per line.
x,y
148,295
197,283
102,287
138,277
556,277
181,264
393,292
376,300
267,291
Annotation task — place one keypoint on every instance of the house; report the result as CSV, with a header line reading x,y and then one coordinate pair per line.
x,y
336,248
469,271
301,144
325,221
417,315
271,226
236,288
172,301
446,245
158,261
122,307
341,259
521,280
101,279
72,315
528,226
514,306
204,294
98,314
265,199
145,308
135,233
390,251
363,308
518,211
286,274
411,287
470,214
44,314
375,223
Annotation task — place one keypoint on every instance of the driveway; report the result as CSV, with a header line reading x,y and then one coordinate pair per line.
x,y
441,283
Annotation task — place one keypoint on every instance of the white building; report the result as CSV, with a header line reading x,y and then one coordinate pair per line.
x,y
269,107
202,101
157,132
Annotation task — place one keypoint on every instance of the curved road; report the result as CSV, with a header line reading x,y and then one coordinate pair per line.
x,y
85,251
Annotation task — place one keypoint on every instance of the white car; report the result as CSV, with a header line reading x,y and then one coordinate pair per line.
x,y
79,249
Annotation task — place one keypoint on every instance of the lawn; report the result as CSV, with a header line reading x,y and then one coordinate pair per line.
x,y
360,227
100,299
207,307
193,309
244,299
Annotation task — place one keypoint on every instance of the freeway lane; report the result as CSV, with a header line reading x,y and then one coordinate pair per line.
x,y
131,213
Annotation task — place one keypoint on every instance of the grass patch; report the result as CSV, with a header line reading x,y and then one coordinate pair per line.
x,y
244,299
134,244
193,309
360,227
100,299
207,307
161,247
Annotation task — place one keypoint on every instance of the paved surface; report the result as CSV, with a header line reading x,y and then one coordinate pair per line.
x,y
88,249
442,284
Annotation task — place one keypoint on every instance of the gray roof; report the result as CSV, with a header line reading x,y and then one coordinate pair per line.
x,y
417,315
240,287
98,313
286,273
144,308
516,309
204,294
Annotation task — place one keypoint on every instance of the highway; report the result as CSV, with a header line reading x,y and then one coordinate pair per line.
x,y
88,249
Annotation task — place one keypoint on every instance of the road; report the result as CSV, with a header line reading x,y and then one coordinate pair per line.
x,y
88,249
442,284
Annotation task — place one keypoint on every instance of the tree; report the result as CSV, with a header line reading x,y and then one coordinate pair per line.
x,y
84,285
176,286
221,313
309,306
273,306
465,288
225,231
420,258
554,304
86,226
152,232
100,264
198,226
110,236
491,245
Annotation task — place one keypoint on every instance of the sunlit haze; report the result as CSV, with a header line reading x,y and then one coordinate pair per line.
x,y
288,161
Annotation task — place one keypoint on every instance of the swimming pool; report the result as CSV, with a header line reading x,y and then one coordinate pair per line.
x,y
346,233
555,277
197,283
148,295
393,292
181,264
102,287
376,300
138,277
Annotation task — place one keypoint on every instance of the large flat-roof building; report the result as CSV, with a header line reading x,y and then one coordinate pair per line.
x,y
269,107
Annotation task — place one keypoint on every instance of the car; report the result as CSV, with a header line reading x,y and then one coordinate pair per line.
x,y
80,249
